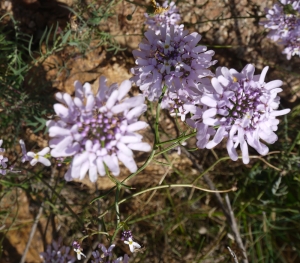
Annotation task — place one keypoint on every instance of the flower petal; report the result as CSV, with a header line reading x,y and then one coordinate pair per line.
x,y
44,161
44,151
128,161
124,89
141,146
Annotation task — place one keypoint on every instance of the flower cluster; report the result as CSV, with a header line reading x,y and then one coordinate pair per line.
x,y
284,24
243,107
172,58
164,15
186,100
97,130
57,253
126,234
106,255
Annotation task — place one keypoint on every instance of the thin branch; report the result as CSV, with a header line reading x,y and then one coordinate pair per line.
x,y
226,211
160,182
228,158
233,255
62,199
32,232
267,163
36,220
171,186
235,229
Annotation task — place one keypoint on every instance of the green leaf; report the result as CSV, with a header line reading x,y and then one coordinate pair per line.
x,y
66,37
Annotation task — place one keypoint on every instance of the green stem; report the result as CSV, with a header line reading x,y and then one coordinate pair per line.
x,y
117,205
63,201
179,139
53,190
130,176
94,233
176,121
167,149
220,46
141,168
157,115
294,143
115,233
169,186
211,167
228,158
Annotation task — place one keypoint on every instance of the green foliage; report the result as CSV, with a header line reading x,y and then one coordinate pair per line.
x,y
26,97
18,103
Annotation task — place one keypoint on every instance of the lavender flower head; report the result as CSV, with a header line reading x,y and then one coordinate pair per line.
x,y
283,22
185,100
97,129
165,15
244,108
170,58
57,253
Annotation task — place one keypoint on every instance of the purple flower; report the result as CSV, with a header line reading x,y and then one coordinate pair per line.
x,y
107,252
184,101
3,161
179,103
39,157
1,149
25,157
172,58
243,108
98,129
126,234
132,244
4,167
167,16
204,132
106,255
76,245
292,45
283,22
120,259
77,248
56,253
